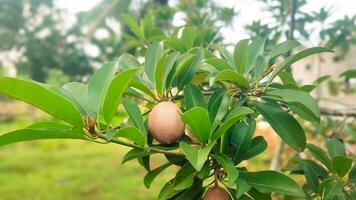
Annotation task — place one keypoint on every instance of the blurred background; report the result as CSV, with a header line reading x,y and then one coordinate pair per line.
x,y
57,41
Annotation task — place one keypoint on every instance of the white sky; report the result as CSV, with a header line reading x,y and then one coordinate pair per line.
x,y
249,10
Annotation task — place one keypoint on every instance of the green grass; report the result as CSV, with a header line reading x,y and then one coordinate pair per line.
x,y
73,170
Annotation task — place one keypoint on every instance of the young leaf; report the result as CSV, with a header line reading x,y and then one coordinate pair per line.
x,y
151,175
193,97
39,96
153,54
222,108
283,48
294,58
116,89
98,86
234,77
272,181
235,115
231,171
129,132
341,165
284,124
335,148
29,134
240,55
198,120
128,61
260,65
196,156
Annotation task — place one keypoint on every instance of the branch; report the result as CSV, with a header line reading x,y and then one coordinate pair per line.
x,y
149,149
340,113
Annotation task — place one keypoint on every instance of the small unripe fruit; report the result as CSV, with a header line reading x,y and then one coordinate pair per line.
x,y
165,124
216,193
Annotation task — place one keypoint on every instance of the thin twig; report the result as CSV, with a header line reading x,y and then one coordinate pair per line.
x,y
149,149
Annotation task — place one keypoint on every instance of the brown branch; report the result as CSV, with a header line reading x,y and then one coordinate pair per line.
x,y
146,148
337,113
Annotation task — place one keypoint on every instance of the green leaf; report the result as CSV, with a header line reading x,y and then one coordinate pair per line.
x,y
78,93
242,135
188,69
185,177
352,175
283,48
128,61
284,124
260,65
134,113
98,86
29,134
351,73
188,37
294,58
151,175
287,78
162,70
134,27
193,97
235,115
224,53
254,50
116,89
41,97
321,79
153,54
234,77
297,97
231,171
194,192
142,87
219,110
218,63
257,146
240,55
198,120
341,165
167,191
272,181
129,132
50,126
196,156
335,148
320,155
241,187
133,154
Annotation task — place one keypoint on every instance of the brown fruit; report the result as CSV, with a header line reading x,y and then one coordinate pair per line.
x,y
216,193
165,124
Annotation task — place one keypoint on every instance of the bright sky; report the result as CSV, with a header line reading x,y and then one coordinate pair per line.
x,y
249,10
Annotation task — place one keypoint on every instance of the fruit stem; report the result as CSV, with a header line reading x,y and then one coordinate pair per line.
x,y
216,174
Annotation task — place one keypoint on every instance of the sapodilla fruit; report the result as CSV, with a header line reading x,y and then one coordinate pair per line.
x,y
164,122
216,193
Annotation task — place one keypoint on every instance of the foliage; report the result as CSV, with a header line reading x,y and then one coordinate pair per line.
x,y
220,93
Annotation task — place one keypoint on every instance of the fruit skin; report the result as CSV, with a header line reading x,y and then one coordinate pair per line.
x,y
165,123
216,193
